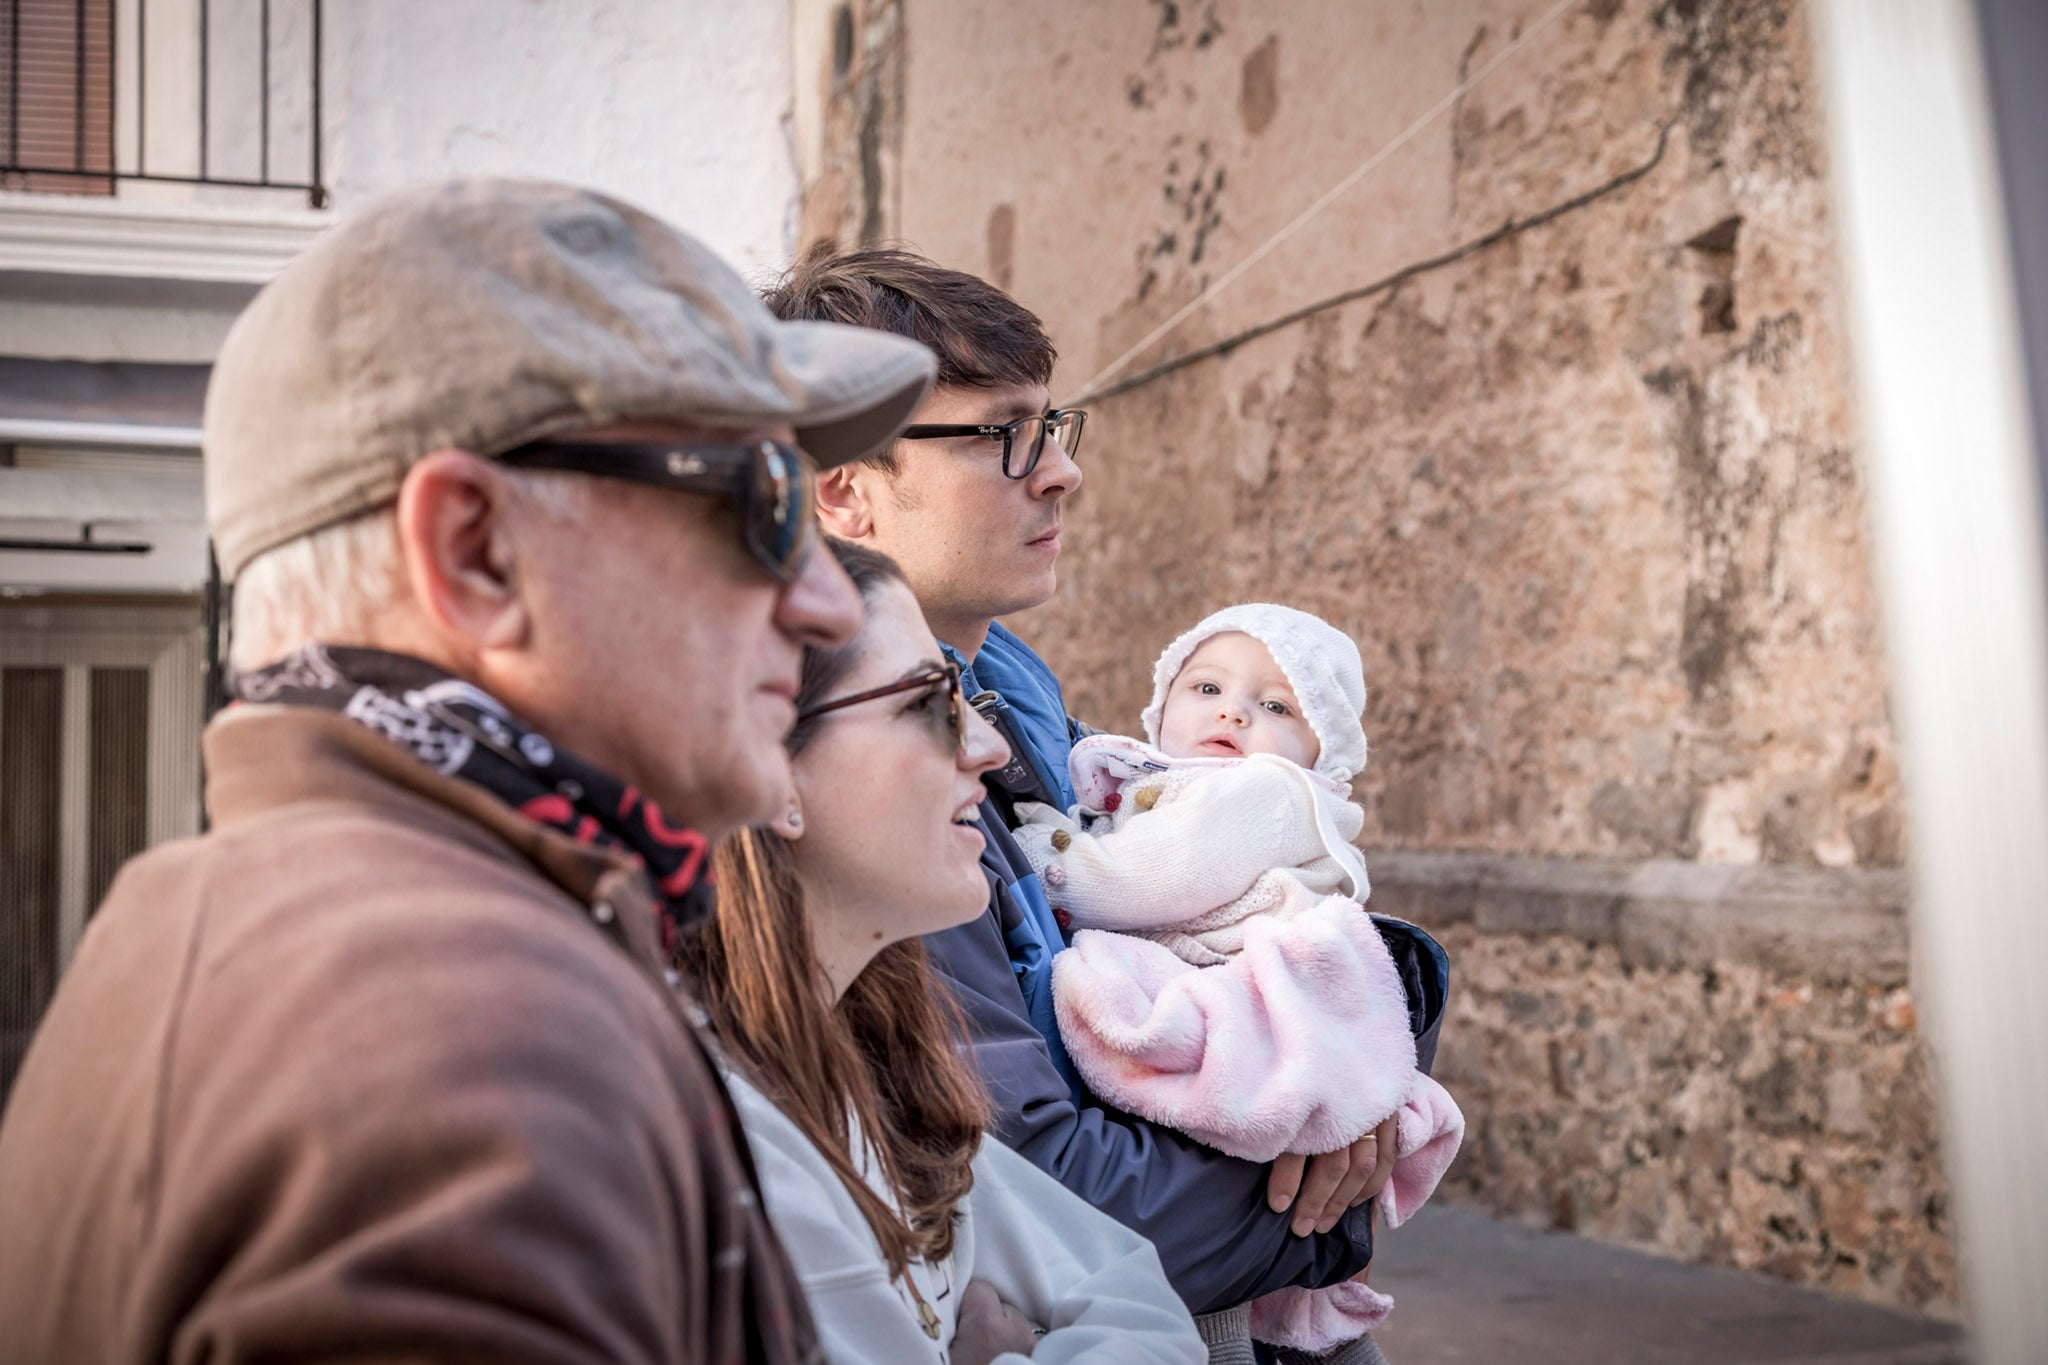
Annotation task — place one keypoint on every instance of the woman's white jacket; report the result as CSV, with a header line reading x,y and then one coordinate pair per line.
x,y
1095,1285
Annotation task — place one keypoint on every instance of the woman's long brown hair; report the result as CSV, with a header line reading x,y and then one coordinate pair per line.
x,y
887,1054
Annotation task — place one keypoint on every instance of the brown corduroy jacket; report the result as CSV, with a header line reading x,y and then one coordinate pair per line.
x,y
358,1075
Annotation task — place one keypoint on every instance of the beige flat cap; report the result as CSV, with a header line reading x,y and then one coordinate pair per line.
x,y
479,314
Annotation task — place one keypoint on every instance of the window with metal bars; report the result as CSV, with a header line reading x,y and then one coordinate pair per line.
x,y
57,95
98,93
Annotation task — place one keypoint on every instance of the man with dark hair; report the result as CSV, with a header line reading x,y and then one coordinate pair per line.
x,y
976,545
968,500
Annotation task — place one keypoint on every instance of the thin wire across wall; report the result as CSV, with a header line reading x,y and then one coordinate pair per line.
x,y
1512,227
1331,195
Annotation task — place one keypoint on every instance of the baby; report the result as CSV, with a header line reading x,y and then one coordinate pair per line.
x,y
1224,977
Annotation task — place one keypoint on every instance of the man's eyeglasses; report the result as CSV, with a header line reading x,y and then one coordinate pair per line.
x,y
1023,440
942,685
773,485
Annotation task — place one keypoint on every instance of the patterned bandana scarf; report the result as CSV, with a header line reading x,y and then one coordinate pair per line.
x,y
462,731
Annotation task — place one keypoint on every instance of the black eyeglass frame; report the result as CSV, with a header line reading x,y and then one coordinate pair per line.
x,y
936,431
773,484
947,673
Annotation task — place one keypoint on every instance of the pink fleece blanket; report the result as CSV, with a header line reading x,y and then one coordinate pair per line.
x,y
1300,1043
1428,1131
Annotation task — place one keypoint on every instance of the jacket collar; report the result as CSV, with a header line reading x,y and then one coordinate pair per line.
x,y
261,758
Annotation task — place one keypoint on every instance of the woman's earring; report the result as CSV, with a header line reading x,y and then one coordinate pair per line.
x,y
792,822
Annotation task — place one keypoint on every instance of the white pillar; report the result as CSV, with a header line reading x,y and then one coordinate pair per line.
x,y
1960,554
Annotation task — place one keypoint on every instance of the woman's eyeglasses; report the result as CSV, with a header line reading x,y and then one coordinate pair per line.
x,y
773,485
942,684
1023,440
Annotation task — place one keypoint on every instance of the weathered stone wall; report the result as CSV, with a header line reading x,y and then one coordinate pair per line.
x,y
1587,497
1712,1061
1723,1113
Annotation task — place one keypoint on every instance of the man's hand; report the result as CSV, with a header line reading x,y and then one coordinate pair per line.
x,y
988,1327
1320,1189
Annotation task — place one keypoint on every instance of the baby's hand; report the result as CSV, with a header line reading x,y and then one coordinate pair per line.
x,y
1042,834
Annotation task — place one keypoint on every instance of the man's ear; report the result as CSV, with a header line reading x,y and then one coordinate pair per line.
x,y
453,513
846,502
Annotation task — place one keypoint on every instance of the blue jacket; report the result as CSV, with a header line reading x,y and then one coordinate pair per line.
x,y
1206,1212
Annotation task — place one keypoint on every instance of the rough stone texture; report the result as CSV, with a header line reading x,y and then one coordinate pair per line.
x,y
1587,498
1715,1062
1722,1113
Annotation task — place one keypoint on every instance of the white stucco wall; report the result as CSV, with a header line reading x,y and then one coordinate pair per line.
x,y
681,106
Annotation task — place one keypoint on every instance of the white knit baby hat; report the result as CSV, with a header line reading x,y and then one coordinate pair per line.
x,y
1321,664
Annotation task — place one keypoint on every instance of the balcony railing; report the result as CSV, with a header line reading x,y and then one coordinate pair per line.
x,y
95,93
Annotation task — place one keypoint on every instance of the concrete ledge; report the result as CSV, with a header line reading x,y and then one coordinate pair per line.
x,y
1831,924
68,236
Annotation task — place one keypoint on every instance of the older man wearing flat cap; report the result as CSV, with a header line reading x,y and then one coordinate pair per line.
x,y
514,483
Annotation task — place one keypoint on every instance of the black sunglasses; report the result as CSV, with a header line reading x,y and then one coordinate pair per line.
x,y
1026,434
773,485
946,675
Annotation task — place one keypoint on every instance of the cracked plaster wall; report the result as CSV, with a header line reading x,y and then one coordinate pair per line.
x,y
1589,501
683,108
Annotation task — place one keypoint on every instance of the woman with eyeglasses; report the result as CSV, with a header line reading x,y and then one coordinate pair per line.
x,y
916,1237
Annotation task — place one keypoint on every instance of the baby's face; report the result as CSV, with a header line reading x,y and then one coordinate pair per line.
x,y
1230,700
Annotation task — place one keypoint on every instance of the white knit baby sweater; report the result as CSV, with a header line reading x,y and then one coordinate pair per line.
x,y
1185,851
